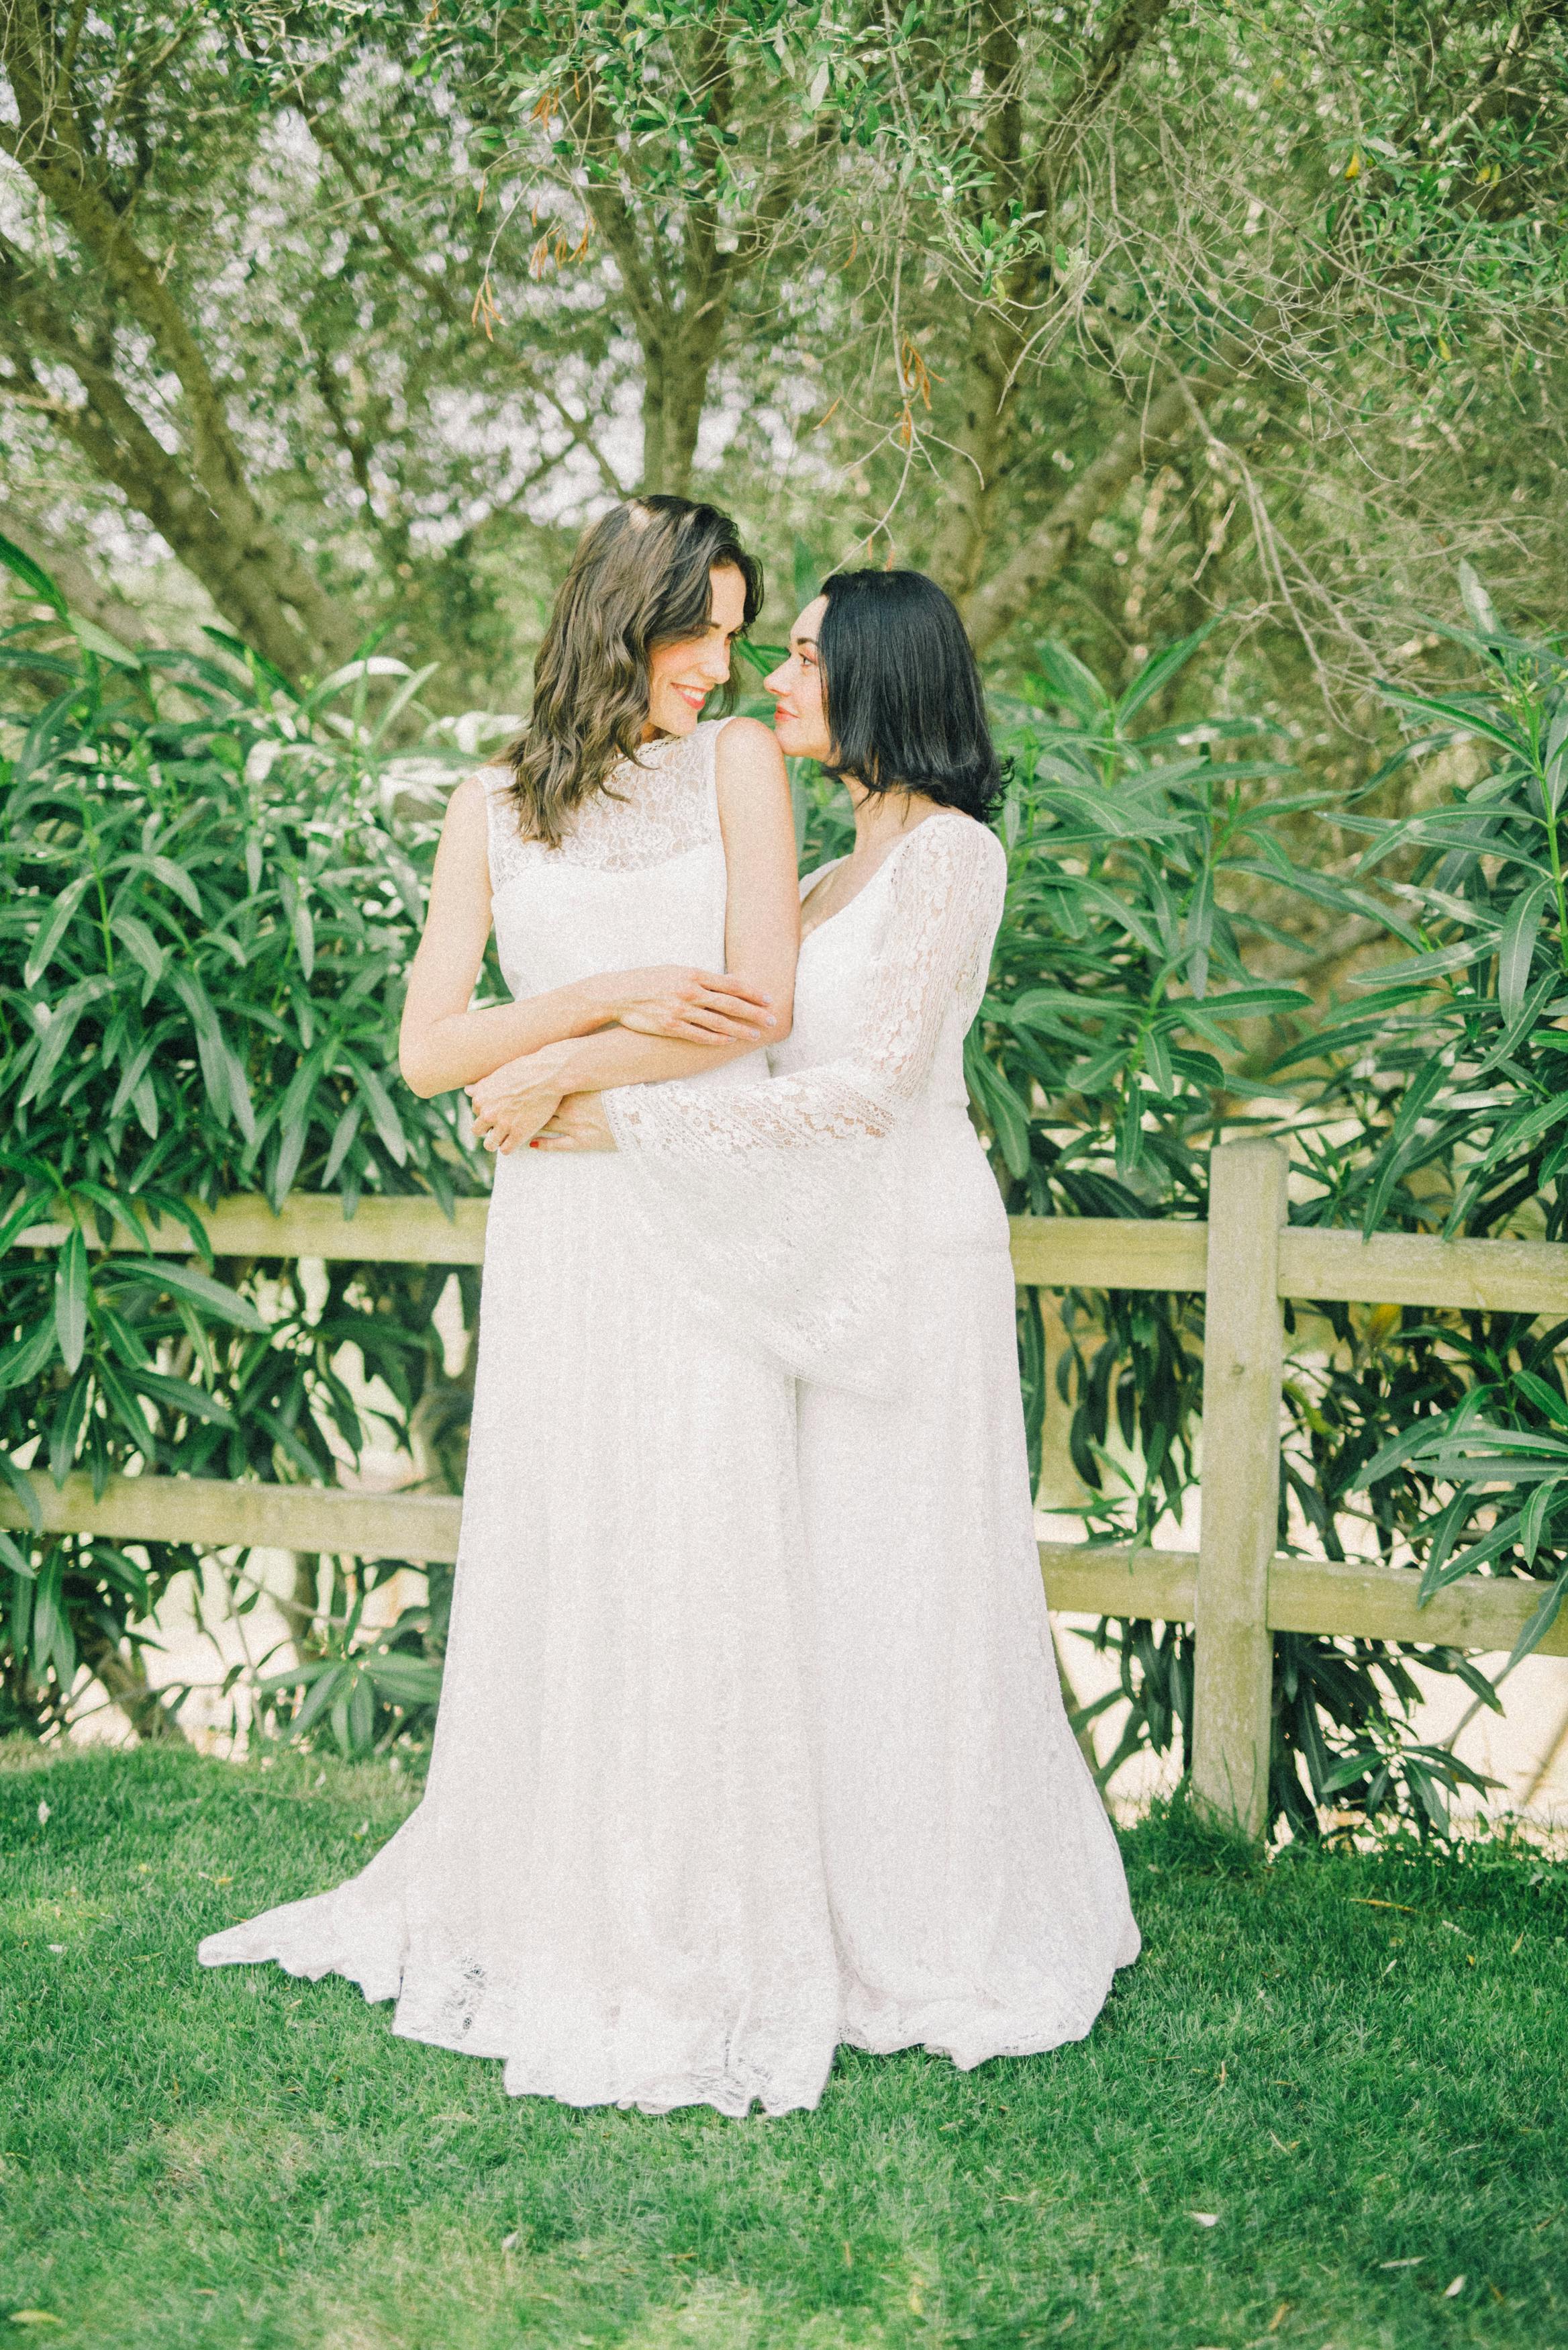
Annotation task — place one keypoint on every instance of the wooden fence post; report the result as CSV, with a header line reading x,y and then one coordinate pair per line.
x,y
1243,1350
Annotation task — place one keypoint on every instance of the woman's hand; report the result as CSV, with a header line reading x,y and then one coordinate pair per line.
x,y
577,1123
693,1007
514,1102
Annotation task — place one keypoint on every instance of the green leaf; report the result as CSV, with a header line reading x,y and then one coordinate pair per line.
x,y
324,1692
1198,932
22,1485
1476,602
174,877
182,1396
1251,1002
1533,1518
1539,1626
1067,681
1542,1392
352,672
1157,1061
183,1280
291,1149
361,1714
132,1078
1463,720
33,575
94,640
71,1298
404,1680
62,1027
53,927
305,938
1000,1108
1158,671
1037,1002
140,945
342,1142
383,1117
1516,948
22,1361
53,1643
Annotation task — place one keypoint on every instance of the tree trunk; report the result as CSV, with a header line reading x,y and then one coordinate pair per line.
x,y
262,588
980,449
991,609
200,501
1033,180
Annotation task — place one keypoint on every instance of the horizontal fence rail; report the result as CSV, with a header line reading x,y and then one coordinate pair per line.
x,y
1234,1589
1048,1252
1370,1603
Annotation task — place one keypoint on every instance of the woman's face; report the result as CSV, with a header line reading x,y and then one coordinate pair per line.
x,y
800,706
681,677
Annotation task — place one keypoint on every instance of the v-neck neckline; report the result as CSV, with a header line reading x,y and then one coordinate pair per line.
x,y
865,887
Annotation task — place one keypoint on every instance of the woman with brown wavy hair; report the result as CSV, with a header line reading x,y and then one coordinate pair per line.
x,y
613,1882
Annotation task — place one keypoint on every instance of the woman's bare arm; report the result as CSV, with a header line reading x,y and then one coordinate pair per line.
x,y
442,1043
761,939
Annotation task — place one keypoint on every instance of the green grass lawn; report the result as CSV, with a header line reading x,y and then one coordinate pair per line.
x,y
1354,2066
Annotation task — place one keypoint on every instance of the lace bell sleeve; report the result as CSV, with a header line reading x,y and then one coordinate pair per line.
x,y
782,1200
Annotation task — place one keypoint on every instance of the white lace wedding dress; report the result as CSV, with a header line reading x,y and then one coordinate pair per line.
x,y
979,1901
614,1881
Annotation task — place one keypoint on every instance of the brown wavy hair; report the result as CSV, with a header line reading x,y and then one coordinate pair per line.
x,y
639,579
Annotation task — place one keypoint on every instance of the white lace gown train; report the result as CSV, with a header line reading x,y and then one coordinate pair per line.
x,y
614,1882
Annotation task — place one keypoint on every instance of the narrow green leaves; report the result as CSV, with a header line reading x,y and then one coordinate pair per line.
x,y
33,576
179,1280
1516,946
53,927
71,1299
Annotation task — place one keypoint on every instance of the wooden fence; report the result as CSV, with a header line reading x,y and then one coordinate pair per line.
x,y
1234,1589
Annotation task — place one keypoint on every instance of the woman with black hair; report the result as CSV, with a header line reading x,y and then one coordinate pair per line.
x,y
842,1215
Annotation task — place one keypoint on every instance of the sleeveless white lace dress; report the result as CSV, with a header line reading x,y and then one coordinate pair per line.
x,y
614,1881
979,1901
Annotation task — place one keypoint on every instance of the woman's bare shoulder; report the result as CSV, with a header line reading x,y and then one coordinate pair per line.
x,y
468,802
748,752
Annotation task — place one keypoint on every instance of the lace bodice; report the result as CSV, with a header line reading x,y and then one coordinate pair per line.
x,y
794,1201
938,904
640,880
657,806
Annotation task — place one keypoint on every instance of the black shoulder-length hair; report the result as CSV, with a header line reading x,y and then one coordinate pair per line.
x,y
905,707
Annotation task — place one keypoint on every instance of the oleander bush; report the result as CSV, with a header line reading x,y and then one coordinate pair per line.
x,y
1106,1061
206,918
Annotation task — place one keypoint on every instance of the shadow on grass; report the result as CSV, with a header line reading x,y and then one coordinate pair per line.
x,y
1330,2089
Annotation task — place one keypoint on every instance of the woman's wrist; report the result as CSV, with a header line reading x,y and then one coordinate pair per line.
x,y
603,999
565,1064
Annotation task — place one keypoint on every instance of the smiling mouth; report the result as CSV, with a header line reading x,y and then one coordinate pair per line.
x,y
693,696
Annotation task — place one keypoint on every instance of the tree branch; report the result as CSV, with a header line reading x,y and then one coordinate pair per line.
x,y
238,568
1494,85
439,293
1000,336
48,145
991,611
1124,37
